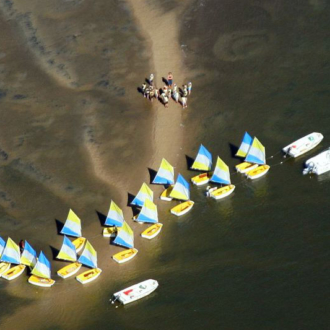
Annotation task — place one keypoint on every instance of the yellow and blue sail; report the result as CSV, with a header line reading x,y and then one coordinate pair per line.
x,y
221,173
125,236
11,253
72,226
181,189
29,255
165,174
144,193
68,251
203,160
42,268
115,216
2,245
89,256
148,213
256,154
245,145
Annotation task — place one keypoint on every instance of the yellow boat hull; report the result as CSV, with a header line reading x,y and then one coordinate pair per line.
x,y
221,192
39,281
89,275
201,179
152,231
258,172
79,243
13,272
69,270
182,208
245,167
165,195
125,256
109,232
4,266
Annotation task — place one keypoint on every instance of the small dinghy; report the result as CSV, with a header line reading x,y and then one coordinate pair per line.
x,y
182,208
165,195
135,292
144,193
203,162
165,174
89,275
258,172
219,193
125,255
303,145
4,266
201,179
69,270
152,231
242,152
41,273
109,232
319,164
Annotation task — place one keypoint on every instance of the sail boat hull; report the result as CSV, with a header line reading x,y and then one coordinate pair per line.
x,y
13,272
89,275
39,281
182,208
219,193
69,270
245,167
165,195
109,232
152,231
258,172
79,243
4,266
201,179
125,256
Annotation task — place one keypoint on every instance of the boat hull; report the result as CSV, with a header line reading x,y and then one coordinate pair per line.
x,y
109,232
69,270
165,195
39,281
182,208
219,193
125,256
245,167
4,266
303,145
201,179
89,275
13,272
136,292
319,164
79,243
152,231
258,172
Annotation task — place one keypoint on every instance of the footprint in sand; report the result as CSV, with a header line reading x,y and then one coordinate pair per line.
x,y
241,45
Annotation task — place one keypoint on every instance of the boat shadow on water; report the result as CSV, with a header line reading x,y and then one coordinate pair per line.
x,y
152,174
233,150
59,226
101,217
189,161
55,252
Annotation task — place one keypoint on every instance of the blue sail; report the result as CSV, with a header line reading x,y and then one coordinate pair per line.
x,y
245,145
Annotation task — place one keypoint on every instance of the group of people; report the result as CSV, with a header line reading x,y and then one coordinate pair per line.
x,y
167,92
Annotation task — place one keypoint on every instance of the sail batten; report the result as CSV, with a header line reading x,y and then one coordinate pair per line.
x,y
148,213
11,253
115,216
165,174
181,189
245,145
256,154
125,236
29,255
68,251
42,267
144,193
72,226
203,160
221,173
89,256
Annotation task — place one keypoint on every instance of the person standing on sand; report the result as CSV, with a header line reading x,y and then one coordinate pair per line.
x,y
169,93
165,99
151,79
151,93
189,88
143,88
156,93
170,79
184,97
176,95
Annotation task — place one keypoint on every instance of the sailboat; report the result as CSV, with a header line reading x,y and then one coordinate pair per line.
x,y
203,162
257,155
4,266
144,192
29,256
115,218
242,152
165,176
181,192
41,273
12,254
68,253
89,259
125,238
221,175
72,227
149,214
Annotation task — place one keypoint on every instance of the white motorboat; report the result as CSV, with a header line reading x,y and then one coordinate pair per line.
x,y
318,164
303,145
135,292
